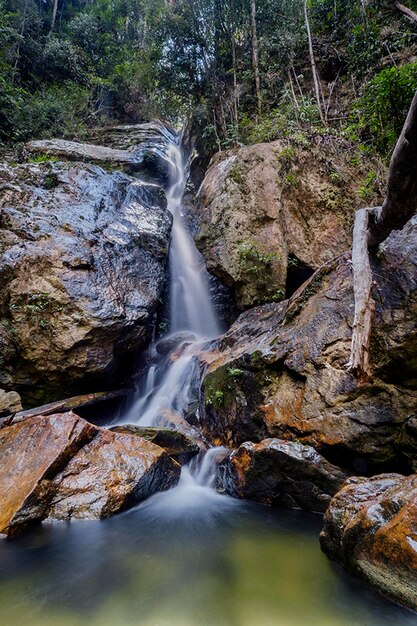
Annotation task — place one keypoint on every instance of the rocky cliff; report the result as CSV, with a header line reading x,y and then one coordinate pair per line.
x,y
83,255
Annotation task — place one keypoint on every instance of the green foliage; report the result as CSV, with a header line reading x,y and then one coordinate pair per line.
x,y
367,188
383,107
42,158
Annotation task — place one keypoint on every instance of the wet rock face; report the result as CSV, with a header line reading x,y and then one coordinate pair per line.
x,y
82,268
63,467
109,474
32,453
275,211
371,528
281,371
281,472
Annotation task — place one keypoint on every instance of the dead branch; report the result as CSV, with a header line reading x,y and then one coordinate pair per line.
x,y
364,303
407,12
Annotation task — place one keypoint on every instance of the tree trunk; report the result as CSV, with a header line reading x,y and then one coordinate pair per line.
x,y
54,14
313,62
401,199
364,303
255,56
407,12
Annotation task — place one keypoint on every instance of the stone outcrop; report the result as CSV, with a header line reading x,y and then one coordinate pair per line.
x,y
135,148
281,472
371,528
75,151
9,402
179,446
272,213
82,269
281,370
63,467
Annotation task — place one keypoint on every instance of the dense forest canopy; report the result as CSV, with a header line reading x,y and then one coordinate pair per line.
x,y
249,70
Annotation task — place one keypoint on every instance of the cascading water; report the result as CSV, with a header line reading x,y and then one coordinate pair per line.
x,y
170,385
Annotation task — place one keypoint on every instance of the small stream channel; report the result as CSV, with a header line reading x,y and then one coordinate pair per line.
x,y
190,555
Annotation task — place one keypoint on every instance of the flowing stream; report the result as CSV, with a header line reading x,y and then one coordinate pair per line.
x,y
189,555
167,389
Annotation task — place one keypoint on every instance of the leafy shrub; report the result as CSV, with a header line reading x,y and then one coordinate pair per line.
x,y
383,107
57,110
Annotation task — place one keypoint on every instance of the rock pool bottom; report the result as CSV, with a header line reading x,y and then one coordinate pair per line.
x,y
213,561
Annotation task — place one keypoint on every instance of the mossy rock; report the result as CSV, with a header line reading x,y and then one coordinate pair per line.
x,y
178,446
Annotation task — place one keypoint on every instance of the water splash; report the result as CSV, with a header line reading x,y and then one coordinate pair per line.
x,y
195,497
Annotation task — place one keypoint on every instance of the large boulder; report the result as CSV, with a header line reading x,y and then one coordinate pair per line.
x,y
371,528
272,213
281,370
82,269
111,473
63,467
32,453
282,472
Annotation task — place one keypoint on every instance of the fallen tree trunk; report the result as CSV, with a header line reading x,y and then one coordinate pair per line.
x,y
372,227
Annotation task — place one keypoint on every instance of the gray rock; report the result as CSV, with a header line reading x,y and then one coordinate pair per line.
x,y
82,271
9,402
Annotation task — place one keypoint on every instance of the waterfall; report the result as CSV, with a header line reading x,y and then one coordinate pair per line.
x,y
170,386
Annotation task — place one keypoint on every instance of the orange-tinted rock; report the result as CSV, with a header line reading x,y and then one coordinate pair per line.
x,y
281,370
282,472
61,466
32,453
371,528
112,472
274,210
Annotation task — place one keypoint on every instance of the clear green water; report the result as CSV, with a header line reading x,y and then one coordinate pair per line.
x,y
228,565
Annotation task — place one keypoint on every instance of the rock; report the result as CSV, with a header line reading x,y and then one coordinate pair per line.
x,y
179,446
111,473
32,453
272,213
9,402
137,148
82,271
76,151
282,472
60,466
371,528
281,371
